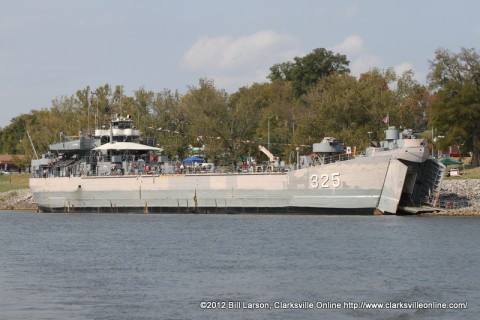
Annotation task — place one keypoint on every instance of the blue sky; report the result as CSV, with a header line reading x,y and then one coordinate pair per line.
x,y
51,48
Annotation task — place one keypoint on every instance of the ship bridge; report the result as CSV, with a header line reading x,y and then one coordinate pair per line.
x,y
121,129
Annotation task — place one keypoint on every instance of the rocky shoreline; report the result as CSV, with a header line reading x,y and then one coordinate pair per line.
x,y
21,199
458,197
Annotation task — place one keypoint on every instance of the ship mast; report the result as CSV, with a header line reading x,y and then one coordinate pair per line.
x,y
33,147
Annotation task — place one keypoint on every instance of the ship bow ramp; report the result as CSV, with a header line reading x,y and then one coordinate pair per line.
x,y
411,187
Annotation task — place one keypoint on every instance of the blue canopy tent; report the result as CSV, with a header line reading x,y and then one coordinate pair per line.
x,y
193,160
192,163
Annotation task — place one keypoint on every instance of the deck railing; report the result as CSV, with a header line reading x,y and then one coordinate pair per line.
x,y
89,166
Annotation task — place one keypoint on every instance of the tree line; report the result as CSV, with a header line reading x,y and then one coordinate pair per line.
x,y
305,99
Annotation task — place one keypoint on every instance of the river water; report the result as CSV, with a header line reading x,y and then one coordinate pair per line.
x,y
105,266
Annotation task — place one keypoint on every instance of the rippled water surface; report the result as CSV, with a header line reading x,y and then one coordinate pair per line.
x,y
102,266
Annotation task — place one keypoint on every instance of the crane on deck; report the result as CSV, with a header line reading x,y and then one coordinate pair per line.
x,y
273,161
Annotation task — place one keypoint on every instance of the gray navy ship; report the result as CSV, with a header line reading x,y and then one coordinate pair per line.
x,y
111,171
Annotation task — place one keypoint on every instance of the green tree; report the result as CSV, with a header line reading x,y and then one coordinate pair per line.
x,y
455,77
12,134
353,110
171,124
209,120
87,112
100,103
144,105
305,71
336,108
261,102
222,126
40,124
412,98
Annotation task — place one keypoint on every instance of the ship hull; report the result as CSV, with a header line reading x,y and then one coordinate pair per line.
x,y
358,186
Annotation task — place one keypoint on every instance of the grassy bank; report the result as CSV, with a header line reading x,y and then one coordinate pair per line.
x,y
466,170
13,182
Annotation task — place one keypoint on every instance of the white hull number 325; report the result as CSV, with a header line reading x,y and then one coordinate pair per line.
x,y
325,181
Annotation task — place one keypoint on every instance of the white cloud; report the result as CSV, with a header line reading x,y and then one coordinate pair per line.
x,y
227,52
239,61
364,63
361,60
356,51
352,45
401,68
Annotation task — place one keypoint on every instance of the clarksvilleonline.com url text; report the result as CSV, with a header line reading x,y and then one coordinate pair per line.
x,y
229,305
